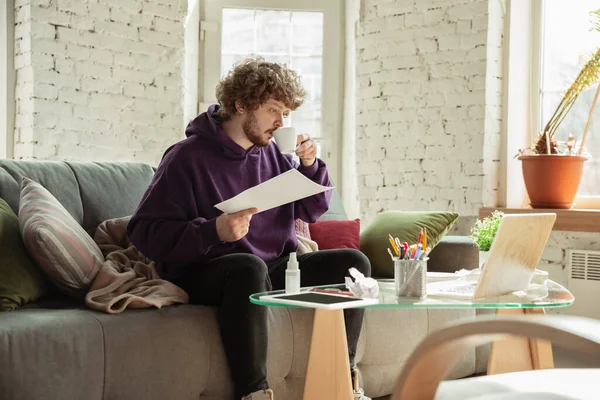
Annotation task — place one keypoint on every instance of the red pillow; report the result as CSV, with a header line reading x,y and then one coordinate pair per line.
x,y
336,234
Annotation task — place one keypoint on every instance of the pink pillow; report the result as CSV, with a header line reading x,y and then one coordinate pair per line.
x,y
334,234
67,255
301,228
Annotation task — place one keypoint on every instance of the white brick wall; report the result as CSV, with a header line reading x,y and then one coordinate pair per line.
x,y
23,135
428,126
98,80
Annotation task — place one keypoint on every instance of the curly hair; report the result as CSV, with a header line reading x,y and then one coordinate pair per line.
x,y
253,82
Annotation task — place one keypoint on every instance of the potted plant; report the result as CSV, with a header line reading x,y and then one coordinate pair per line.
x,y
552,170
483,233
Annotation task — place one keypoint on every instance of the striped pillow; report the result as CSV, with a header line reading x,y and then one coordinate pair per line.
x,y
61,247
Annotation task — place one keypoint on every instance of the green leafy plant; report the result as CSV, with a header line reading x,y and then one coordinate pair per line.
x,y
482,234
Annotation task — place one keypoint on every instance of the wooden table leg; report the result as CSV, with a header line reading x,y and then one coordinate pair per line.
x,y
513,353
541,350
328,371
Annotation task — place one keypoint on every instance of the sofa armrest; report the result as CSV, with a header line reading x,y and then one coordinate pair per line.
x,y
452,254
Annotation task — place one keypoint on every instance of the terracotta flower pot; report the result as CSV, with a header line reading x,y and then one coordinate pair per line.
x,y
552,180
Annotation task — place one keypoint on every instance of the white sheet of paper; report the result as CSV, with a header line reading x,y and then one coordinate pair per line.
x,y
282,189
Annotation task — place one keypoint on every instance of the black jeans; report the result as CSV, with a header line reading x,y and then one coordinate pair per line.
x,y
227,281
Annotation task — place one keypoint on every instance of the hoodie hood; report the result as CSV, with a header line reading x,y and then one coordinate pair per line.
x,y
208,127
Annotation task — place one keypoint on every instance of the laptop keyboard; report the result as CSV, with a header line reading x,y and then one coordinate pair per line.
x,y
453,287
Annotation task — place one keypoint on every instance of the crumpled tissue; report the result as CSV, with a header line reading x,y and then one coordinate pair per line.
x,y
361,286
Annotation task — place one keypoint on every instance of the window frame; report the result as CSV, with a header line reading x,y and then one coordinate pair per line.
x,y
581,202
332,62
521,102
7,79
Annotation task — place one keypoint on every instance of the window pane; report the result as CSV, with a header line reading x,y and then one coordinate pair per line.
x,y
575,123
292,38
282,59
591,177
319,148
307,33
238,30
307,65
273,31
308,117
568,41
228,61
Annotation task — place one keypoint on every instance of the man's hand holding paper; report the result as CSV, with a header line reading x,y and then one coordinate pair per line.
x,y
233,227
282,189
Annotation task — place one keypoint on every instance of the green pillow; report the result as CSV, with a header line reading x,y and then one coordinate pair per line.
x,y
405,225
20,280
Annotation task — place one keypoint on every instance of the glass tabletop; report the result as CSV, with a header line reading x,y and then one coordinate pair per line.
x,y
551,295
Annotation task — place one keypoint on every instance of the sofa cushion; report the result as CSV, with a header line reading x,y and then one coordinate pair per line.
x,y
184,356
100,183
176,352
21,282
452,254
389,336
51,354
65,252
405,225
336,234
55,176
87,190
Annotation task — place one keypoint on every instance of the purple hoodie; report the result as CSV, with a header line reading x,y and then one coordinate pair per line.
x,y
174,223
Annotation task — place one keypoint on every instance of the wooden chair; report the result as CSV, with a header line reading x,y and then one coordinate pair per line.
x,y
429,364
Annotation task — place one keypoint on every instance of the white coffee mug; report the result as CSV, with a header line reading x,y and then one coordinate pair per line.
x,y
286,138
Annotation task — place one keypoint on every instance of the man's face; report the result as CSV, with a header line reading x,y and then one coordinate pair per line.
x,y
260,123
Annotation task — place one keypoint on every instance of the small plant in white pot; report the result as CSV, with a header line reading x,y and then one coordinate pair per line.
x,y
483,233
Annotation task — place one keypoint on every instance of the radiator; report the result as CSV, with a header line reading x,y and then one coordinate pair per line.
x,y
584,282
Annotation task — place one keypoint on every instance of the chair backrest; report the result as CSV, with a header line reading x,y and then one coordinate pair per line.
x,y
435,356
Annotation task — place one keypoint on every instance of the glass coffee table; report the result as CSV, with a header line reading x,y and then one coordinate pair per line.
x,y
327,374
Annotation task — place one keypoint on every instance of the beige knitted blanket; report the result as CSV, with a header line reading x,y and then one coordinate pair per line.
x,y
127,278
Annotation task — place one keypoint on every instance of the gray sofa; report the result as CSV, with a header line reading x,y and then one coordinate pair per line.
x,y
59,349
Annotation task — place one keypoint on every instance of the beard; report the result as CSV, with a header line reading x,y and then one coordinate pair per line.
x,y
253,133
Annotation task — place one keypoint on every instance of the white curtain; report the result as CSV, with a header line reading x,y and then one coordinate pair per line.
x,y
349,183
190,62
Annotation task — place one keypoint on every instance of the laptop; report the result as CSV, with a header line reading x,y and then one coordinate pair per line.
x,y
514,255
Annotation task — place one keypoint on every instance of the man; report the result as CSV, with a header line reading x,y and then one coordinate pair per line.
x,y
220,259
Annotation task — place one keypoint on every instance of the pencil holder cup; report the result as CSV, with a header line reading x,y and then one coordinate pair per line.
x,y
410,278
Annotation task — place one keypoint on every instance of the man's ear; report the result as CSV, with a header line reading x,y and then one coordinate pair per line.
x,y
239,107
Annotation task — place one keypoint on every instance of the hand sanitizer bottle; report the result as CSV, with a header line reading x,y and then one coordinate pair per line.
x,y
292,275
